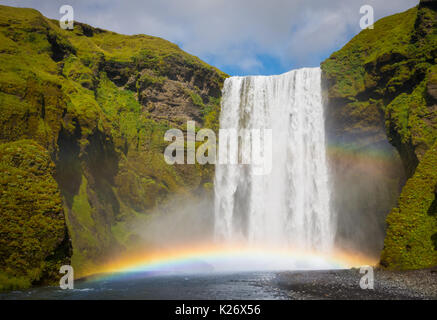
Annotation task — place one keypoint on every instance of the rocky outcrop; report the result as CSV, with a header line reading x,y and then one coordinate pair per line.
x,y
34,242
379,89
428,3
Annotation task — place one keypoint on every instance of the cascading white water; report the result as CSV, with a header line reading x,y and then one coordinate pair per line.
x,y
291,205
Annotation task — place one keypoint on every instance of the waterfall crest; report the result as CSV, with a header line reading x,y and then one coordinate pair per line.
x,y
290,205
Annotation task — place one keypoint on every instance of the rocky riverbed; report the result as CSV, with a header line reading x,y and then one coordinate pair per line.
x,y
345,284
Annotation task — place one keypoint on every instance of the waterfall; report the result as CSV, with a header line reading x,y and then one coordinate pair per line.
x,y
291,204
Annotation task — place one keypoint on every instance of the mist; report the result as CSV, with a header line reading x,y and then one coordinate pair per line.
x,y
180,221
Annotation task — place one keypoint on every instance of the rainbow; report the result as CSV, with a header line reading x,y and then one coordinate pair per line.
x,y
206,259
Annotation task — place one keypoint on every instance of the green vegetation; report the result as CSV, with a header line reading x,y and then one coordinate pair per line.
x,y
389,67
32,224
90,100
390,36
412,226
382,80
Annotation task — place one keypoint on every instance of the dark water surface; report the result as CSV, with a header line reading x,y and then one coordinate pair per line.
x,y
253,285
300,285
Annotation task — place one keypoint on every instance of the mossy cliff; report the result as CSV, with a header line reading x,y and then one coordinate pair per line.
x,y
33,238
83,114
383,86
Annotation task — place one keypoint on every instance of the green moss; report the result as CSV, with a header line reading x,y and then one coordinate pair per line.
x,y
134,128
32,222
211,115
409,241
147,80
210,110
8,283
76,70
410,116
84,238
82,207
378,81
391,35
197,100
68,91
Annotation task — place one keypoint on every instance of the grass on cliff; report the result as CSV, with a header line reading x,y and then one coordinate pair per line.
x,y
32,222
54,89
412,225
390,68
390,35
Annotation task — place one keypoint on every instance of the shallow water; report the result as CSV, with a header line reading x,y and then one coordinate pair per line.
x,y
251,285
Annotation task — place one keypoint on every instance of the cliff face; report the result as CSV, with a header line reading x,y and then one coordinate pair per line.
x,y
89,109
382,87
33,238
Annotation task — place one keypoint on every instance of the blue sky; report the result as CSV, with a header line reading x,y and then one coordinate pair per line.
x,y
240,37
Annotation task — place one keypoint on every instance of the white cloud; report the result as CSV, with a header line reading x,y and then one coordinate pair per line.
x,y
233,33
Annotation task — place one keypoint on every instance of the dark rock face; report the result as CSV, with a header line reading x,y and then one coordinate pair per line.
x,y
380,89
428,3
167,92
431,90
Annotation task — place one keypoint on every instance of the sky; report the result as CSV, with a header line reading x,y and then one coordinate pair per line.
x,y
240,37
